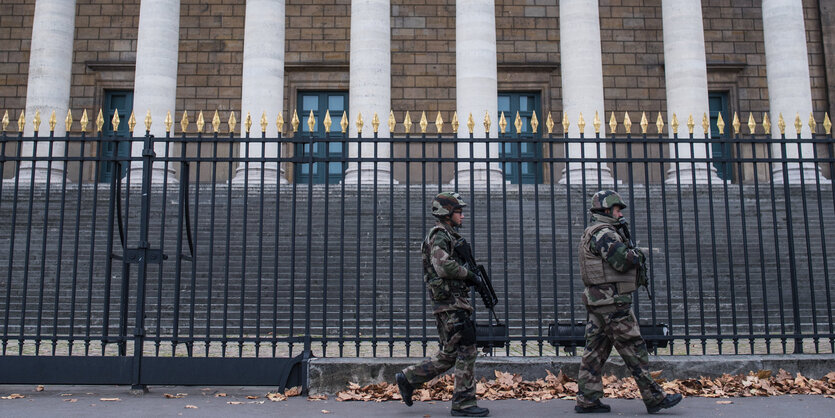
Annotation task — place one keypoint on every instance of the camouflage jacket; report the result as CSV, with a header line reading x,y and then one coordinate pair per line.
x,y
611,279
443,272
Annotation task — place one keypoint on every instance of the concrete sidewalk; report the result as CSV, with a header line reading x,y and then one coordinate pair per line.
x,y
57,401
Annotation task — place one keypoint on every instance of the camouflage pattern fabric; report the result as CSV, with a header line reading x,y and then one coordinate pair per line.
x,y
457,336
447,202
614,325
609,244
443,272
606,199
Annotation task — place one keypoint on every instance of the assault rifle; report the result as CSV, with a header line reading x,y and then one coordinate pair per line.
x,y
490,335
642,278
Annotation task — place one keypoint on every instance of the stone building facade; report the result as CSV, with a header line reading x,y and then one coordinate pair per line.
x,y
317,55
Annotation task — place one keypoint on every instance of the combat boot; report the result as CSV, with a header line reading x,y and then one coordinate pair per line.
x,y
471,411
597,408
405,387
669,401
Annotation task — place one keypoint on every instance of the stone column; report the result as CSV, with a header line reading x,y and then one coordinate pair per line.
x,y
476,86
582,85
262,87
155,85
370,87
686,78
789,85
48,88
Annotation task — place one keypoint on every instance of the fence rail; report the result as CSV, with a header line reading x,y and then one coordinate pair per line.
x,y
206,266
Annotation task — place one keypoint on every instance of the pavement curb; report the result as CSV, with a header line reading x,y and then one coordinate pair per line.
x,y
330,375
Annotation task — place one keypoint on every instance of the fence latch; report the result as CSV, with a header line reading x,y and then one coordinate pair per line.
x,y
135,255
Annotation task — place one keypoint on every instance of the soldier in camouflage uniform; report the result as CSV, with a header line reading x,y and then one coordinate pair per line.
x,y
608,268
448,282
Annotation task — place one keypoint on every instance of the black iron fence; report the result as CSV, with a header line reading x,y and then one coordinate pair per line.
x,y
167,274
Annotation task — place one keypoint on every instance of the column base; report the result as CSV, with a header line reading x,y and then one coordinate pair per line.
x,y
478,176
158,175
810,174
365,174
703,175
592,176
54,175
252,175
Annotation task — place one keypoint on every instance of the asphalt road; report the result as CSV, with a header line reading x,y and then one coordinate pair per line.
x,y
87,401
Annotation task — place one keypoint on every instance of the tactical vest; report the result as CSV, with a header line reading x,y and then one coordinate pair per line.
x,y
594,270
441,290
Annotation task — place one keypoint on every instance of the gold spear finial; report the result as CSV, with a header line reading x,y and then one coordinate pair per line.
x,y
549,123
535,121
132,122
5,121
581,123
613,124
455,122
766,124
691,123
232,122
84,121
659,124
439,123
21,122
470,123
216,122
518,123
781,123
200,122
627,123
264,122
720,123
674,124
565,123
279,123
393,122
100,121
644,123
798,124
705,124
311,122
827,123
359,123
67,122
423,122
487,123
115,120
248,122
148,121
294,122
167,122
813,124
36,121
343,123
52,122
752,124
502,123
736,124
407,121
184,122
375,123
327,122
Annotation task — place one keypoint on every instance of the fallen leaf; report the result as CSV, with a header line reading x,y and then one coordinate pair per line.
x,y
13,396
276,397
71,400
317,398
109,399
177,396
191,407
252,397
220,395
39,388
293,391
235,403
66,394
325,411
724,402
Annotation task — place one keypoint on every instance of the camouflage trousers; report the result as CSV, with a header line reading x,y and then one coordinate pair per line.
x,y
614,325
457,335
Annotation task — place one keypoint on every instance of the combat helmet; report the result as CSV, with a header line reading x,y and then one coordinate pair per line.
x,y
606,199
445,203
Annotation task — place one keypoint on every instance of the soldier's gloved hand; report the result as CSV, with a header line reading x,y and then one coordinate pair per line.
x,y
472,278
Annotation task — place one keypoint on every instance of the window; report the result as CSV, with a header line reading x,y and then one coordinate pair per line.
x,y
123,101
719,103
524,103
320,102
